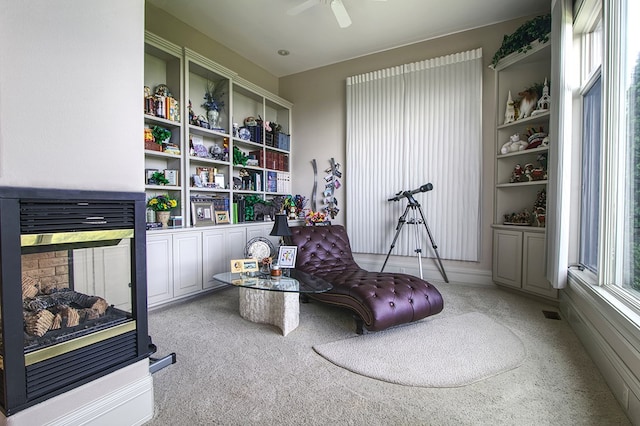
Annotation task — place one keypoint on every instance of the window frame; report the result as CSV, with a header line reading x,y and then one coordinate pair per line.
x,y
612,205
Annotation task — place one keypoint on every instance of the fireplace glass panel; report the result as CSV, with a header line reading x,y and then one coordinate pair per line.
x,y
71,290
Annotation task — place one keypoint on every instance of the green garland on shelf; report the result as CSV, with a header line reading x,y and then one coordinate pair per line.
x,y
520,41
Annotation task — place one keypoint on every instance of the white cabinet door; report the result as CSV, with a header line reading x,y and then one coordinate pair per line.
x,y
533,277
236,242
159,268
219,246
507,257
187,263
214,257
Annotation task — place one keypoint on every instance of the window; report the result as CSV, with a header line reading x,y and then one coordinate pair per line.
x,y
610,141
630,93
589,20
590,191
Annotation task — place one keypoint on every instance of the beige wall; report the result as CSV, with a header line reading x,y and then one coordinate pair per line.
x,y
70,90
319,127
168,27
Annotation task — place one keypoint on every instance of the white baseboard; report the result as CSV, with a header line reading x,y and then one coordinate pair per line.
x,y
430,272
612,349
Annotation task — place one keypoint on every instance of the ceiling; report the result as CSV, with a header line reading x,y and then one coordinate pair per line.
x,y
257,29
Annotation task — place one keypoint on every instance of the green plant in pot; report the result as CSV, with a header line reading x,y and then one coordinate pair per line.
x,y
158,178
160,134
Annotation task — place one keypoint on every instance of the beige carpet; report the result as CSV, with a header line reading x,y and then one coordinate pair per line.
x,y
436,352
234,372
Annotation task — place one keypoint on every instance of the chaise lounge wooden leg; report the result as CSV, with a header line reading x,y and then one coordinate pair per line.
x,y
359,325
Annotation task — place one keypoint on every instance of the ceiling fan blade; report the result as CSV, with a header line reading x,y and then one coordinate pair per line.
x,y
302,7
342,16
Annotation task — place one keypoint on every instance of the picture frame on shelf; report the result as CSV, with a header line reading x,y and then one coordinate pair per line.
x,y
287,256
219,180
172,176
197,182
202,213
222,216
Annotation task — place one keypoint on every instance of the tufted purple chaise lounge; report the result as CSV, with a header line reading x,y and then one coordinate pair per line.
x,y
379,299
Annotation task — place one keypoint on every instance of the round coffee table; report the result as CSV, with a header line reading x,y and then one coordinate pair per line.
x,y
269,300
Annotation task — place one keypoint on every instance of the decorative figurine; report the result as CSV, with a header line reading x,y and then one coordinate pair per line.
x,y
545,100
515,144
527,103
510,113
516,175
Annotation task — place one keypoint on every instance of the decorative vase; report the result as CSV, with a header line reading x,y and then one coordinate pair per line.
x,y
163,218
213,117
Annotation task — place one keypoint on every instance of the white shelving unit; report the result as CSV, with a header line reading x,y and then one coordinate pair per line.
x,y
181,261
519,250
187,74
163,65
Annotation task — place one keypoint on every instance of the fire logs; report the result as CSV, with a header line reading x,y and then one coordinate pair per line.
x,y
59,309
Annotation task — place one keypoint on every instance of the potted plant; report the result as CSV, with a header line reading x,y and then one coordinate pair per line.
x,y
158,178
160,134
162,205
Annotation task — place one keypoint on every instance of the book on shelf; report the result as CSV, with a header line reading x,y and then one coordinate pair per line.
x,y
221,204
272,181
283,183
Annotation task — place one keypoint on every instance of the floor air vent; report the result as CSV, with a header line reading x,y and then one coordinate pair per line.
x,y
551,315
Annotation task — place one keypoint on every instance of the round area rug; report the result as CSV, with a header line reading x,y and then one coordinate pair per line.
x,y
436,352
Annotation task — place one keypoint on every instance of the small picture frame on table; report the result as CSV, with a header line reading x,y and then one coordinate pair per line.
x,y
250,265
244,266
222,216
202,213
287,256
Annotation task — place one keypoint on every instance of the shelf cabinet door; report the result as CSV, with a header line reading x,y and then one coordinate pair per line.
x,y
219,246
507,257
187,263
534,267
159,269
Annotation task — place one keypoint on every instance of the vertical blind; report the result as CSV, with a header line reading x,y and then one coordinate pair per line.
x,y
407,126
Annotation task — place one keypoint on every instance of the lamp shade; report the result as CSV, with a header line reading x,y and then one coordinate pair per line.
x,y
281,226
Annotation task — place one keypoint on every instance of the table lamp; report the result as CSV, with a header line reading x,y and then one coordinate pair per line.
x,y
281,227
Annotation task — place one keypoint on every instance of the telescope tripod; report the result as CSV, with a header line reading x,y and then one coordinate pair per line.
x,y
414,207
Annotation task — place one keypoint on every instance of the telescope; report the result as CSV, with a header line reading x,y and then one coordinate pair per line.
x,y
424,188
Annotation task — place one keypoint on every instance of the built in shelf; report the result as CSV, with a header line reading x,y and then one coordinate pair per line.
x,y
516,184
542,117
528,228
524,152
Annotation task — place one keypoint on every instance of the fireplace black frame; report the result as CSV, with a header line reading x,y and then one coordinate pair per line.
x,y
20,385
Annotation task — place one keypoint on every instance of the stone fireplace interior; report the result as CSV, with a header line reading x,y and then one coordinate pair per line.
x,y
72,290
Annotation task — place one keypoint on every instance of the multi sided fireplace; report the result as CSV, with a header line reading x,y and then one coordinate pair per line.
x,y
72,290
